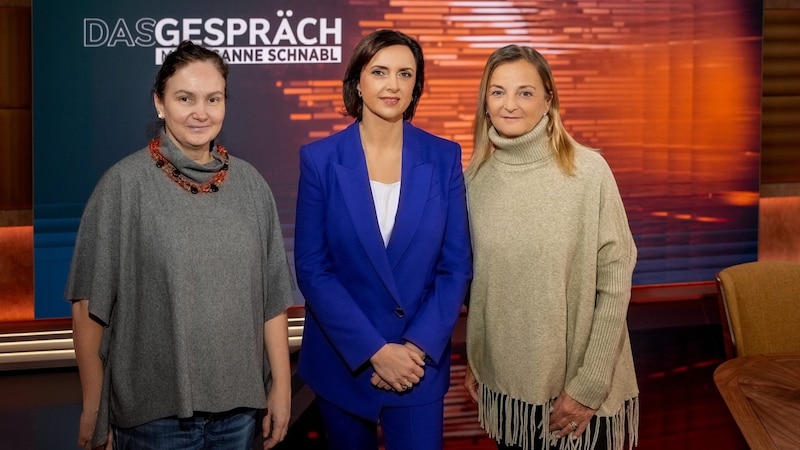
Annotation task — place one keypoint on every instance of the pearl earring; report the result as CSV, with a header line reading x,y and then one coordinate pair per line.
x,y
160,115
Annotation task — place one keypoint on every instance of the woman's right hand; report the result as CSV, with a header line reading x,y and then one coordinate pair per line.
x,y
87,333
471,384
398,366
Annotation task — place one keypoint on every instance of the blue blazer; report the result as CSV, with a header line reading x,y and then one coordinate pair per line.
x,y
361,295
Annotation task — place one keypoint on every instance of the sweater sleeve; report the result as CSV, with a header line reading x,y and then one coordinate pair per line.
x,y
616,258
278,284
94,271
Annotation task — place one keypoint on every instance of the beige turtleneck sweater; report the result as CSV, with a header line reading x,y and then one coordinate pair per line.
x,y
553,261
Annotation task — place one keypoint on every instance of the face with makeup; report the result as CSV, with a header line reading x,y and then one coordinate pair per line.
x,y
386,85
516,99
193,105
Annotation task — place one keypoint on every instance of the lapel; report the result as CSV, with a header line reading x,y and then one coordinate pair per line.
x,y
351,173
415,188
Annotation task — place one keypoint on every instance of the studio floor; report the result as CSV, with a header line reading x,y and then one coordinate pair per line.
x,y
680,405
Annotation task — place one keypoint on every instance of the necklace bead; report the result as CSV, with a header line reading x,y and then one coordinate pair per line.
x,y
175,175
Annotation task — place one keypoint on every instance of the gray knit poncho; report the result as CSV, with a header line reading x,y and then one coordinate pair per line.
x,y
184,283
553,257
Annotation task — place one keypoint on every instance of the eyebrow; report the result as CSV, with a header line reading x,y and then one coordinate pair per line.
x,y
378,66
530,86
190,93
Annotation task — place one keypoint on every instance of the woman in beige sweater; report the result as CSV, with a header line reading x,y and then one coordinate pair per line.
x,y
550,363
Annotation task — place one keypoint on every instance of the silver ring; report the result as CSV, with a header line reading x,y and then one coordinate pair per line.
x,y
406,387
573,425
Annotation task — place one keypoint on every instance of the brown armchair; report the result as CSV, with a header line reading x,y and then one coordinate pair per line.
x,y
760,306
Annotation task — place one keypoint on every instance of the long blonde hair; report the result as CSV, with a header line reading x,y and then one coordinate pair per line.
x,y
560,140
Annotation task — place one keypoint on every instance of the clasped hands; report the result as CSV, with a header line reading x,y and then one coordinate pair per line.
x,y
398,367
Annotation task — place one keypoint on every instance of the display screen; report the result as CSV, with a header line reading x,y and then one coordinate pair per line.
x,y
668,90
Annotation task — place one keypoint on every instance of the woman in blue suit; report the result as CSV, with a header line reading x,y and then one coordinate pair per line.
x,y
383,257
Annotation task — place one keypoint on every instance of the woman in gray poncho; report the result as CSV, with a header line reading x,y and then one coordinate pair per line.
x,y
550,362
180,284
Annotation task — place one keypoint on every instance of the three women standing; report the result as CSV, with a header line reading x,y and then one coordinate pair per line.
x,y
179,282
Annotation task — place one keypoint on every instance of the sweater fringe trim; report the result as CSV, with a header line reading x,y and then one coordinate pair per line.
x,y
517,422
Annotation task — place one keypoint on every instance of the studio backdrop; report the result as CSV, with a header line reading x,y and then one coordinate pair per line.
x,y
668,90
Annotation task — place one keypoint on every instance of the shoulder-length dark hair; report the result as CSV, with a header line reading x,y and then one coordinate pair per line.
x,y
369,46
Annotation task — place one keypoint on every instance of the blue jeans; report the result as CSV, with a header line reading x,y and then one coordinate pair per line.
x,y
230,430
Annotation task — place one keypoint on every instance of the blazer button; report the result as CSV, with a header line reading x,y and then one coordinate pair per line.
x,y
399,311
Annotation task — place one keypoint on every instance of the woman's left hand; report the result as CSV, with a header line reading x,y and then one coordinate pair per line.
x,y
276,418
569,416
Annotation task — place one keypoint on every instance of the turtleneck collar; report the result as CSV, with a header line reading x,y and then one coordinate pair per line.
x,y
528,148
199,173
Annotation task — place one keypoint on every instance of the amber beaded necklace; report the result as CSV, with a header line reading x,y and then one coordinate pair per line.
x,y
175,175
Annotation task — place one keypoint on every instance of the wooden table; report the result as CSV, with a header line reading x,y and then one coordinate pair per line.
x,y
763,394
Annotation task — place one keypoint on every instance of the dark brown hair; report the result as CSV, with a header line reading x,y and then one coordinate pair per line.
x,y
186,53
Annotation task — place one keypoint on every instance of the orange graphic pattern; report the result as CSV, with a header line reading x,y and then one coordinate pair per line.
x,y
668,91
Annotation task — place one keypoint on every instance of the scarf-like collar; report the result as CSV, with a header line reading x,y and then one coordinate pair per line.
x,y
526,149
199,173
